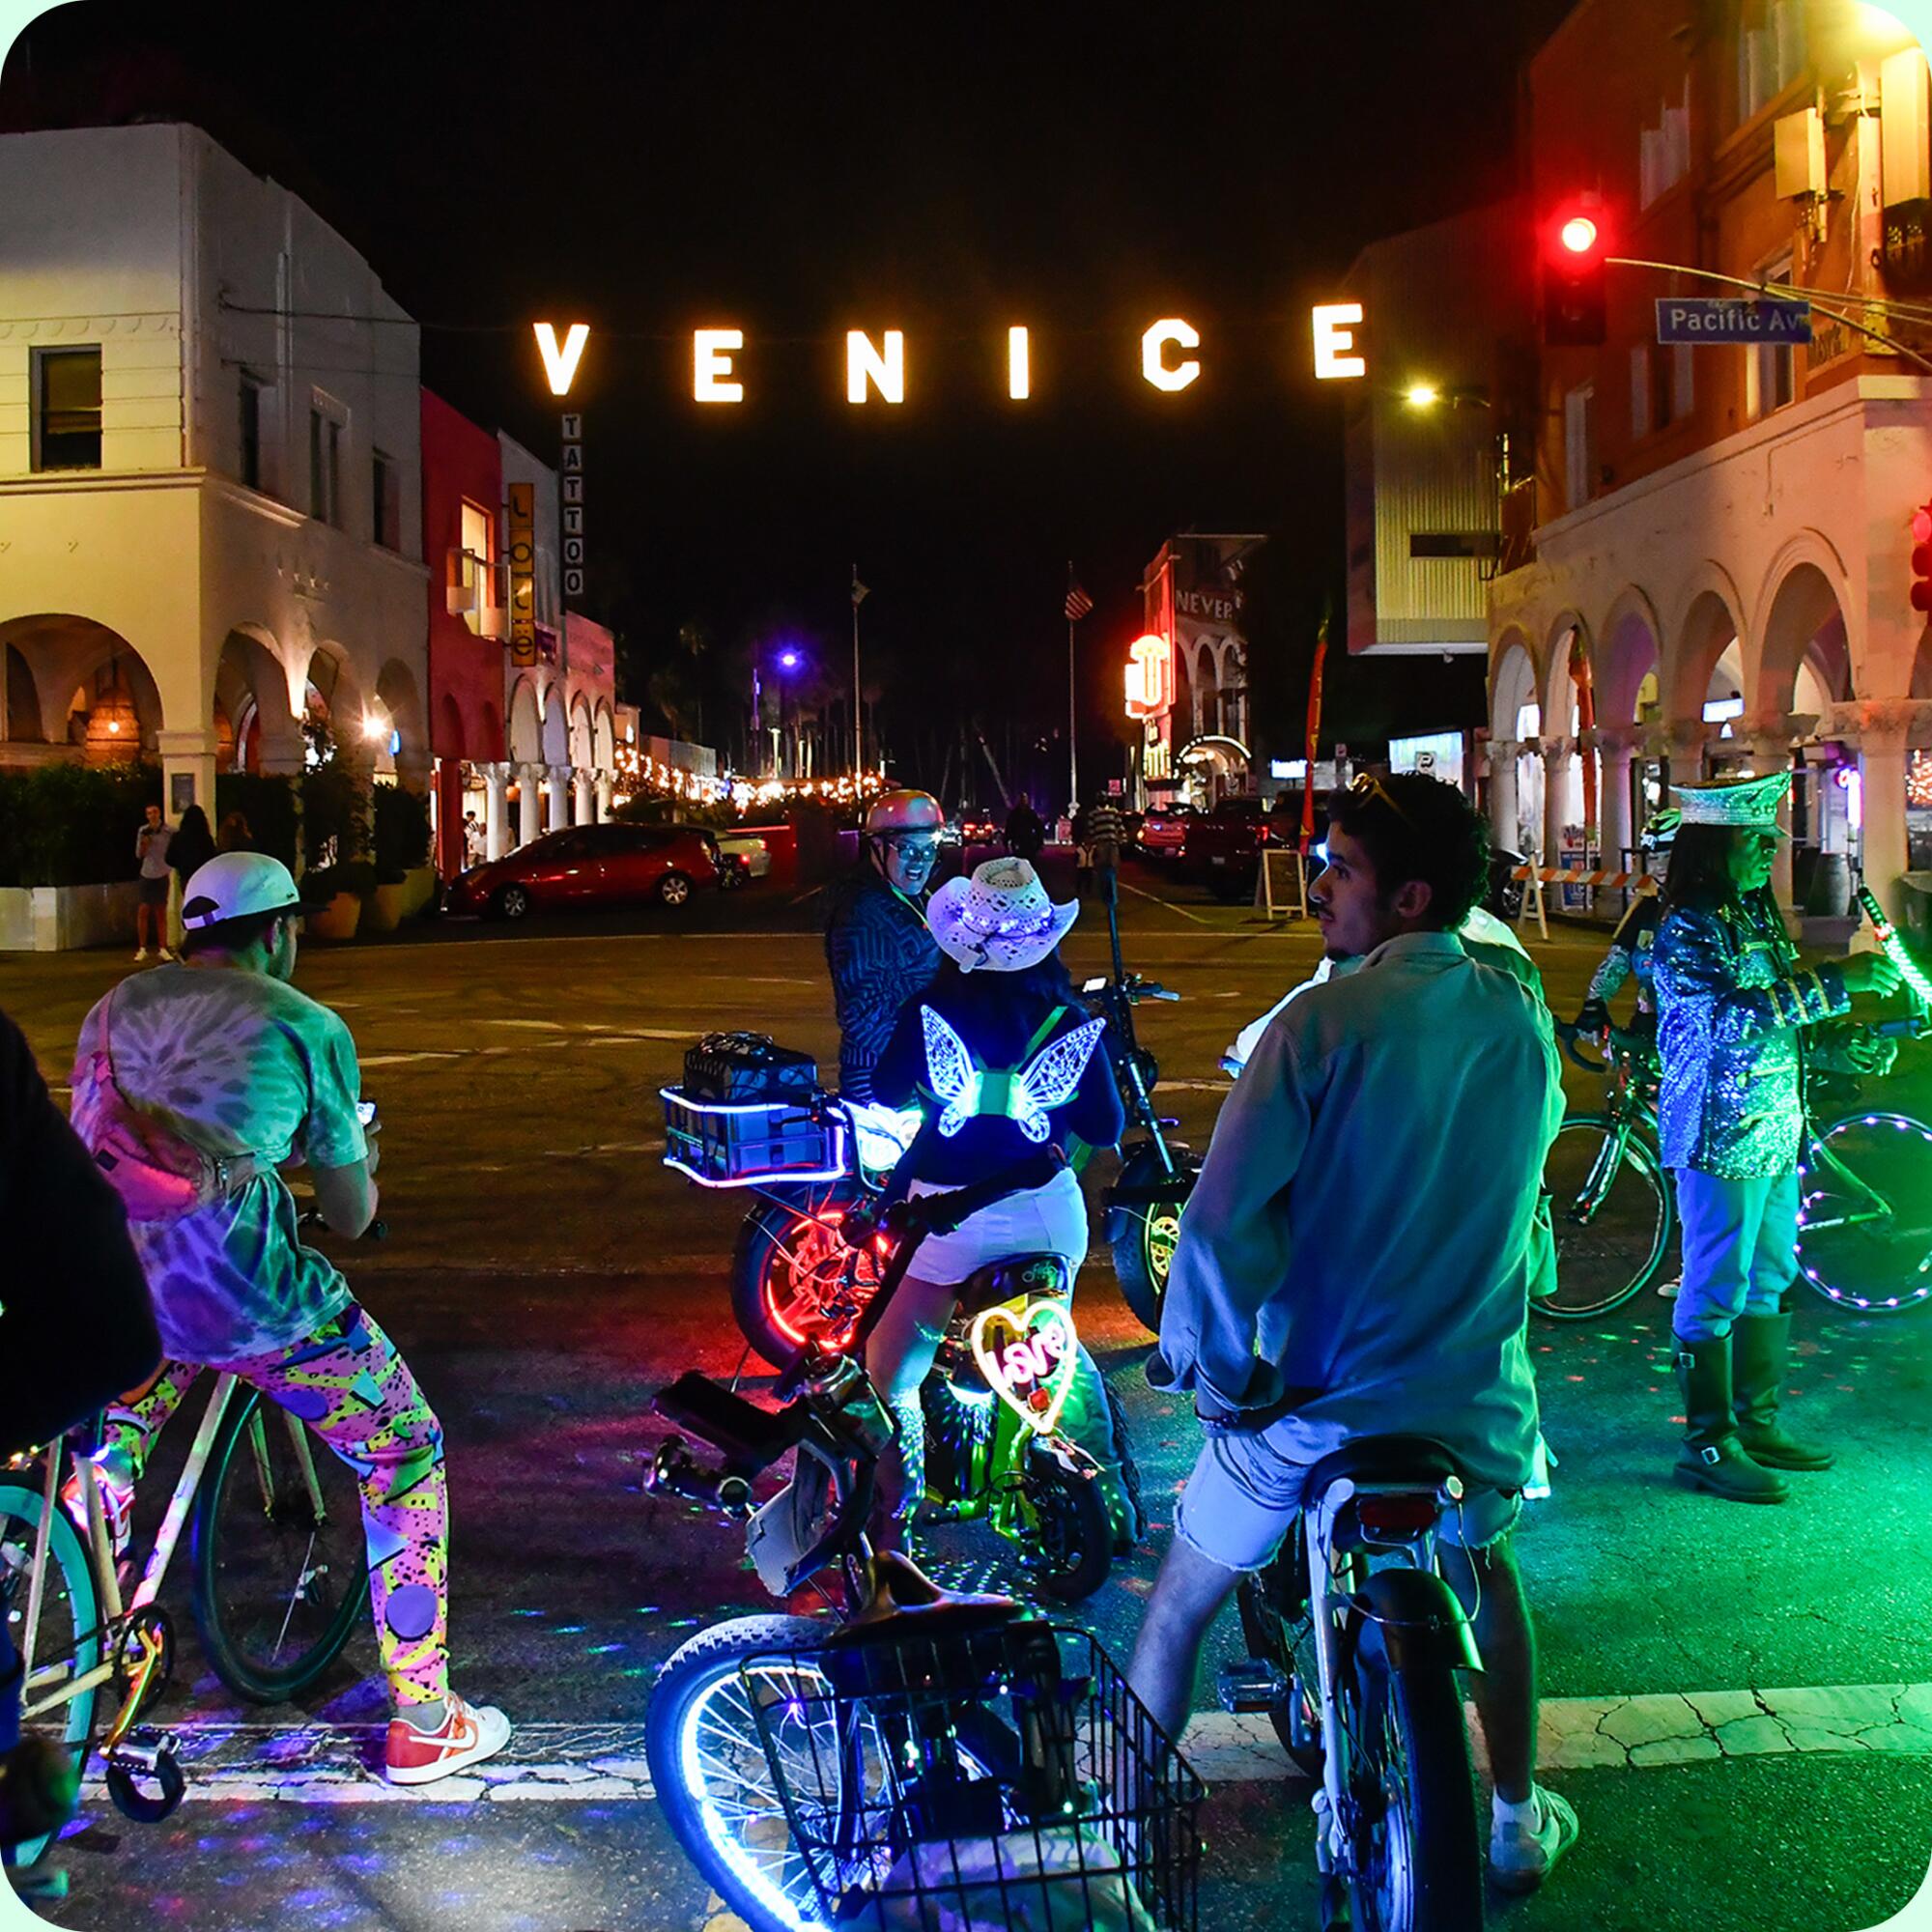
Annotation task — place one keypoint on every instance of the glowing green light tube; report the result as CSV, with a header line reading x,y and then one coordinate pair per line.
x,y
1894,947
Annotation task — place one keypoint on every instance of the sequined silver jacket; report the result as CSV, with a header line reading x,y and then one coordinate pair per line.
x,y
1732,998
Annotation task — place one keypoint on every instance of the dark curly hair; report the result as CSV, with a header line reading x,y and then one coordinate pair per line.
x,y
1431,832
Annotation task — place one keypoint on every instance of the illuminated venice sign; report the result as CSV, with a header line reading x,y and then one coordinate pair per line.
x,y
1149,676
876,368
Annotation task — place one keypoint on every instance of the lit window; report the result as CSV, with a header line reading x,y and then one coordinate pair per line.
x,y
67,408
1770,368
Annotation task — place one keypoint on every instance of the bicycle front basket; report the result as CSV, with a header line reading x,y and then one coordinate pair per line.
x,y
1020,1787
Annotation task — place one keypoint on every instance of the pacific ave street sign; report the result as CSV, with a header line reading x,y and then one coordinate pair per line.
x,y
1731,319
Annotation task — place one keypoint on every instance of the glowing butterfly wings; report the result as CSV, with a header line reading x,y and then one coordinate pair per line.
x,y
1048,1080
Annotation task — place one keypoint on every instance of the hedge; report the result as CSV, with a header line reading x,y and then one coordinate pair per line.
x,y
71,824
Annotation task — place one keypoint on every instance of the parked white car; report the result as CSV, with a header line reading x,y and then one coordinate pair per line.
x,y
751,848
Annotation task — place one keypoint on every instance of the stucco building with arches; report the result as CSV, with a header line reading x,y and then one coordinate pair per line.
x,y
209,471
1712,559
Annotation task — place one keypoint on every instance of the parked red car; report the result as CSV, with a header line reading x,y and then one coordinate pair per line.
x,y
592,865
1164,831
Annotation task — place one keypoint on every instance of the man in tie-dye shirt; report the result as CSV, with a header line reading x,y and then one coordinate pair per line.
x,y
225,1053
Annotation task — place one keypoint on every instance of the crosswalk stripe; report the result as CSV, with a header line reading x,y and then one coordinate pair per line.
x,y
589,1764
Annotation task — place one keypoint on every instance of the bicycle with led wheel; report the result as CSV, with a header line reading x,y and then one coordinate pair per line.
x,y
924,1757
1355,1639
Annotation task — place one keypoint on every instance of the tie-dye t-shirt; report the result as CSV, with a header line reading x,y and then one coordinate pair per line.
x,y
239,1064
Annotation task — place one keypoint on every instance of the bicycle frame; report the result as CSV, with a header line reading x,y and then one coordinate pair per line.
x,y
55,1680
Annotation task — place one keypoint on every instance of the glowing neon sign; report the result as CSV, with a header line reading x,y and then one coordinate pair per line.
x,y
877,370
1033,1372
1149,676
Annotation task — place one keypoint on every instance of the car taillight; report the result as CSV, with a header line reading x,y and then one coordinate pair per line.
x,y
1397,1516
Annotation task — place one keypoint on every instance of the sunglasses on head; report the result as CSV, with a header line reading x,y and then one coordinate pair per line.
x,y
1365,784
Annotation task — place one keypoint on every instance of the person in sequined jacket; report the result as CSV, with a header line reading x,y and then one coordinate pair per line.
x,y
877,946
1732,1005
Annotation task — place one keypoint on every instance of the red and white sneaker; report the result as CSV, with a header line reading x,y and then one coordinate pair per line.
x,y
469,1734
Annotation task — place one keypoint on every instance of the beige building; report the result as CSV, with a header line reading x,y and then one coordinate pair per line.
x,y
210,520
1711,562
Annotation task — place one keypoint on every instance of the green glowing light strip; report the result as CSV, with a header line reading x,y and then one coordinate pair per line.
x,y
1894,947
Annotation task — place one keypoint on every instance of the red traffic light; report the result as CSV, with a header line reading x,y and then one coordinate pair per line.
x,y
1575,247
1922,560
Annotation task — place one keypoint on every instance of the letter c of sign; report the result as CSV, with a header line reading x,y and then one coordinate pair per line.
x,y
1155,365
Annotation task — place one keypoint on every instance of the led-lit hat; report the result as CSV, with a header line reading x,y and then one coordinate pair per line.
x,y
1000,920
1750,803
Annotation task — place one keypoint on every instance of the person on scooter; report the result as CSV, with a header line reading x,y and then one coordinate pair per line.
x,y
1356,1259
877,946
1732,1004
1004,995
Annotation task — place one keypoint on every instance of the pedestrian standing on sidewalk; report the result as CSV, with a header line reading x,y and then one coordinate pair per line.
x,y
1732,1005
190,848
151,911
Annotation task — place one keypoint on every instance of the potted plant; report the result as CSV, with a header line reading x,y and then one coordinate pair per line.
x,y
338,891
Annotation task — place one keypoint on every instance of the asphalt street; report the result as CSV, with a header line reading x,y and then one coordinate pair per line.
x,y
1737,1699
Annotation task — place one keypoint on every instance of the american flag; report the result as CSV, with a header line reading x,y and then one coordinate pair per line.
x,y
1078,603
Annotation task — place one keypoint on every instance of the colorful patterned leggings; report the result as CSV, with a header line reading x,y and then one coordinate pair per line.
x,y
355,1391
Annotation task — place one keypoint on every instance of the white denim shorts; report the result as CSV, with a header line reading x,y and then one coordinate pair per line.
x,y
1049,1220
1244,1496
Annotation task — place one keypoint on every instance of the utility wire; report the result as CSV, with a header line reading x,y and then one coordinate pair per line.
x,y
1766,288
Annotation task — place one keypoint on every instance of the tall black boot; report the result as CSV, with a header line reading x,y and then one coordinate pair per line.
x,y
1712,1457
1759,1347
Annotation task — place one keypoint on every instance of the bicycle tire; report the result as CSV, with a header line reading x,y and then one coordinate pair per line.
x,y
222,1557
703,1672
1275,1625
1070,1534
1431,1810
77,1615
1618,1252
1141,1240
777,1317
1877,1272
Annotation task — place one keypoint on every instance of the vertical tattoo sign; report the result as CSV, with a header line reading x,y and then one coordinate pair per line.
x,y
522,573
572,504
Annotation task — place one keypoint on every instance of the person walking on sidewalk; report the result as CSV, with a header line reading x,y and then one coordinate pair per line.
x,y
1732,1005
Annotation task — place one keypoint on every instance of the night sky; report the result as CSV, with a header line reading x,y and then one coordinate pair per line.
x,y
799,170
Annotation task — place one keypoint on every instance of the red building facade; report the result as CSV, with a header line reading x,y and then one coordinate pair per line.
x,y
462,491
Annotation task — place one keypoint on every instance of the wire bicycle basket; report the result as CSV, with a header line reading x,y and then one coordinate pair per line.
x,y
997,1778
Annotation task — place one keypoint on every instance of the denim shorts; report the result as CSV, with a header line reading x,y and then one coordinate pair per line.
x,y
1244,1496
1049,1220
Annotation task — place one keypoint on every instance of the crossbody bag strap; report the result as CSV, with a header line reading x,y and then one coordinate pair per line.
x,y
233,1171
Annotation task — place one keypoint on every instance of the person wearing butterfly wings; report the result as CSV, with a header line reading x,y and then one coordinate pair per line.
x,y
1000,1053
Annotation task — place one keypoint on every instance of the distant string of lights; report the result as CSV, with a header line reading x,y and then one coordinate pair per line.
x,y
639,774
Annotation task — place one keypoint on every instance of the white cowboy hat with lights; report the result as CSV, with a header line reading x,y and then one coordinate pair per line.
x,y
1000,920
1749,803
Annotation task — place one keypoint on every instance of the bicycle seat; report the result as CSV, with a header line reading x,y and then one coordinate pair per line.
x,y
903,1601
1029,1277
1385,1459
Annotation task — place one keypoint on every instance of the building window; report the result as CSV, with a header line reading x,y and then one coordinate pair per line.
x,y
386,521
1579,442
1663,151
1770,51
252,431
1771,369
326,423
1661,385
67,408
475,564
